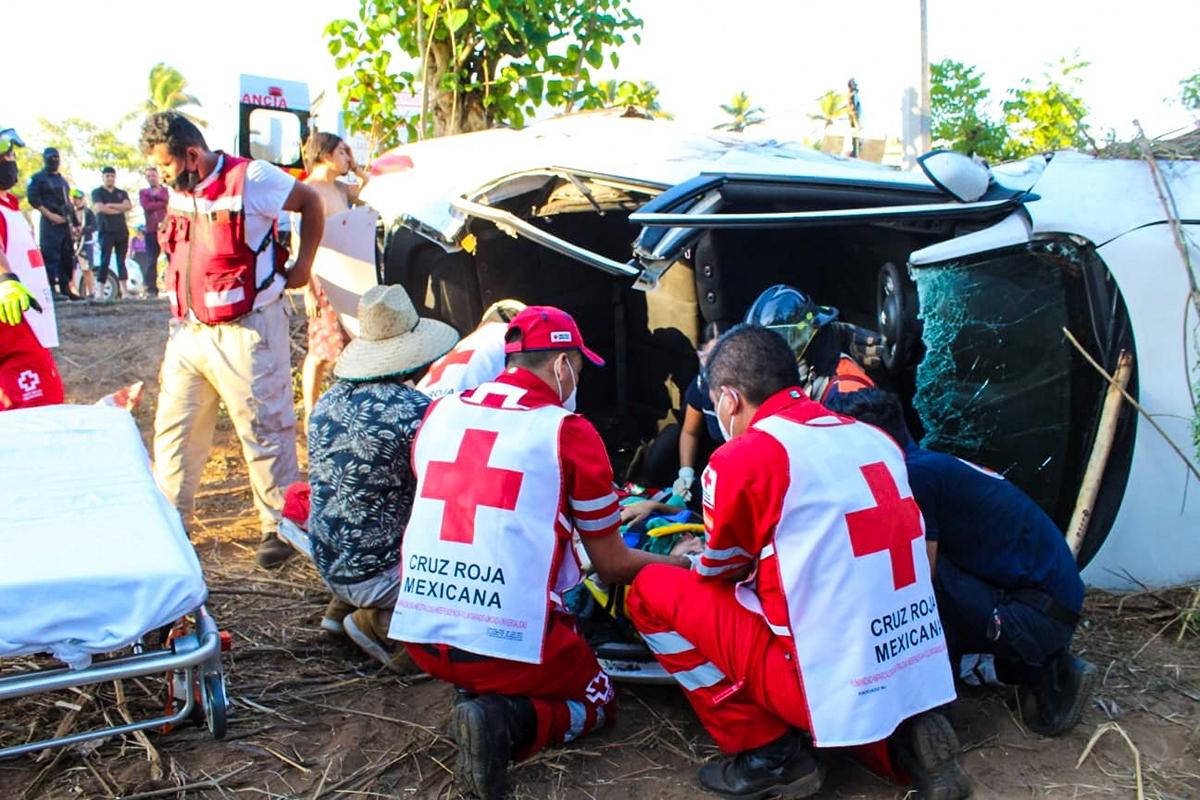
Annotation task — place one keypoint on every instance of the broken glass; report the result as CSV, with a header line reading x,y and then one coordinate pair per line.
x,y
995,385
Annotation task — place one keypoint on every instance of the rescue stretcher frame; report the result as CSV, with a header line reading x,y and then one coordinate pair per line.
x,y
192,660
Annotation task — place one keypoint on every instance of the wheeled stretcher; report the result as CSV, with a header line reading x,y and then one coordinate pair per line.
x,y
92,559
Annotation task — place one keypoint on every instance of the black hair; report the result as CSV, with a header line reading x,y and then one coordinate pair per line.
x,y
713,330
755,361
319,145
528,359
876,407
172,129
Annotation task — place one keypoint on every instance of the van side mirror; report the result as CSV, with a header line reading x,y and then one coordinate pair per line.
x,y
963,177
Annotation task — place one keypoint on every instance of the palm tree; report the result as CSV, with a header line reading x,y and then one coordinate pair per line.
x,y
744,114
168,92
831,107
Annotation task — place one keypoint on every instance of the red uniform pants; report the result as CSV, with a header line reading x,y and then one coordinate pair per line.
x,y
739,676
28,375
571,694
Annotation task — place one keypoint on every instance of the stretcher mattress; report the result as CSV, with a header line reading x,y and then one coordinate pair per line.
x,y
91,554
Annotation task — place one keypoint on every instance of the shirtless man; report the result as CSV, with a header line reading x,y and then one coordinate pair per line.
x,y
327,158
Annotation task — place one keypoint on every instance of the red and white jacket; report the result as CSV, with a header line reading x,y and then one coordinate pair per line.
x,y
818,507
505,477
477,358
212,272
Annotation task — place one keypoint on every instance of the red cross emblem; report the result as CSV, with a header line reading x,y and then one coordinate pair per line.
x,y
451,358
467,482
891,525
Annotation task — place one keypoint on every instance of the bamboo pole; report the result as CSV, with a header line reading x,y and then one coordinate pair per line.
x,y
1110,414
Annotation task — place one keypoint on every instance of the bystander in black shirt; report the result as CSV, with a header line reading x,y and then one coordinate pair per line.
x,y
110,223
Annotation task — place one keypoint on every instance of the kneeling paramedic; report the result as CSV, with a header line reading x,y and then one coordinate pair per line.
x,y
811,612
229,341
1006,582
28,375
506,473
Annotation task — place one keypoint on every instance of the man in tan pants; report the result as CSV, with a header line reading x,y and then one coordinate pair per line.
x,y
229,340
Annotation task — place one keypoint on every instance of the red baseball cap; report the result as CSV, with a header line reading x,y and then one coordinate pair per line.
x,y
548,328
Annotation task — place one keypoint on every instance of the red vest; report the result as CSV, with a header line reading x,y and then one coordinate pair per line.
x,y
211,269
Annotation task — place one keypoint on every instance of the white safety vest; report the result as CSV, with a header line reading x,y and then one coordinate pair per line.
x,y
860,601
25,259
478,358
478,558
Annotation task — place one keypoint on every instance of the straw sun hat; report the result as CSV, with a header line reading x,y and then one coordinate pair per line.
x,y
392,339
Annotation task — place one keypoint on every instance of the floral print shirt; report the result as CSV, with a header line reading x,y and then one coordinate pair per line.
x,y
360,439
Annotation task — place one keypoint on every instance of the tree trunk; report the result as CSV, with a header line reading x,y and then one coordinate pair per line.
x,y
451,115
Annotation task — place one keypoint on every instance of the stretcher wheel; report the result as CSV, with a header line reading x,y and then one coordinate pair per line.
x,y
212,695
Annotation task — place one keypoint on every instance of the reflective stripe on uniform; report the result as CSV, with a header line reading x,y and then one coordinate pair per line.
x,y
667,643
225,297
700,677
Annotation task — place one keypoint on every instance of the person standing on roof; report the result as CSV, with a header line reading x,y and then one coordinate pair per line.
x,y
477,358
48,193
1006,582
229,341
810,616
506,475
831,354
28,375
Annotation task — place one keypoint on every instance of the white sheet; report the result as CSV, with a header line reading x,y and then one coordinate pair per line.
x,y
91,554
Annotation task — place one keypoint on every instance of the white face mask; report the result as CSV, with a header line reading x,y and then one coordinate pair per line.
x,y
725,432
568,402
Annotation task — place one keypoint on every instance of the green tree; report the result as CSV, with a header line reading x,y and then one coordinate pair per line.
x,y
168,92
959,118
641,97
1050,114
743,112
1189,93
479,64
831,107
86,147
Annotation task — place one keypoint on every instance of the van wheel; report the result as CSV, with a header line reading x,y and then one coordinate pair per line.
x,y
896,301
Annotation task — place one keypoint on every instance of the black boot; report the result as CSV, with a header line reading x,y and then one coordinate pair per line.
x,y
488,730
273,551
926,747
1055,702
785,768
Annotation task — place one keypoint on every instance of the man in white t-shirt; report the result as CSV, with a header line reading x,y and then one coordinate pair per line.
x,y
229,341
477,358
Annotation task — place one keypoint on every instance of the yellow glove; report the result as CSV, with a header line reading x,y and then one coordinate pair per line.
x,y
15,300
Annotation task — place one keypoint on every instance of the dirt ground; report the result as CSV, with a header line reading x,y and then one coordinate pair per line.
x,y
311,718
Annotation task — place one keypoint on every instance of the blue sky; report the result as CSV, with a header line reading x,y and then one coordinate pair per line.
x,y
699,52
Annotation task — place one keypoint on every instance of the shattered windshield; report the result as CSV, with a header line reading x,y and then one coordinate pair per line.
x,y
999,384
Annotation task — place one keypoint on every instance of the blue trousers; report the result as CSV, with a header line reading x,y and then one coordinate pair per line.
x,y
978,618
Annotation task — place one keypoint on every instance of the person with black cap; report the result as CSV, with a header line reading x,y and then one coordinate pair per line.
x,y
111,204
48,192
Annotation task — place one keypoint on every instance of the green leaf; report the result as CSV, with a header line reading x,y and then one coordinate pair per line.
x,y
534,85
594,56
456,19
615,59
